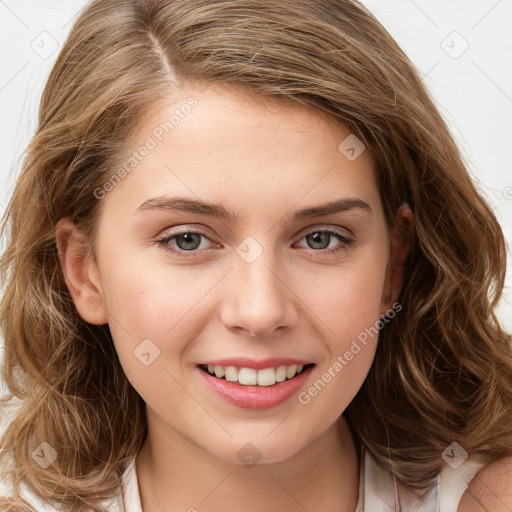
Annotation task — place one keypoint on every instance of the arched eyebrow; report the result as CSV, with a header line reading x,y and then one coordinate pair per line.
x,y
200,207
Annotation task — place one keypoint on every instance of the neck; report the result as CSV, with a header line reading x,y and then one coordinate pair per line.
x,y
174,474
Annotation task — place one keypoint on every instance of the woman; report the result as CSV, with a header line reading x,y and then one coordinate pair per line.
x,y
247,267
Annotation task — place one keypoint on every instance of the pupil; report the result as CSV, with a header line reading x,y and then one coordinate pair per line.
x,y
317,239
186,237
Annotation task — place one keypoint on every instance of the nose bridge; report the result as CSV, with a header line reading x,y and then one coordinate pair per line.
x,y
260,300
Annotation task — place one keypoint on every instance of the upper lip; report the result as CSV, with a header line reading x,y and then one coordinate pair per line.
x,y
246,362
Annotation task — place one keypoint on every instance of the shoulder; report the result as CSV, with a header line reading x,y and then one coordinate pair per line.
x,y
490,489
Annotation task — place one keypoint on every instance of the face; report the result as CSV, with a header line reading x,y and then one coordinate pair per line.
x,y
265,278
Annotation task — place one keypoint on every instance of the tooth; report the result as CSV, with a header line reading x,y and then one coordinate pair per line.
x,y
219,371
247,376
231,373
266,377
281,373
251,377
291,371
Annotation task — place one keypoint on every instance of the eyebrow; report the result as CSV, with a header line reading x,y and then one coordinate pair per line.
x,y
197,206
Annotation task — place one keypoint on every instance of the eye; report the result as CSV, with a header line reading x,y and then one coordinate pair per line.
x,y
185,241
322,238
189,241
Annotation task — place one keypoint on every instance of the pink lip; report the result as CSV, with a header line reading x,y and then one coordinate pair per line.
x,y
245,362
255,397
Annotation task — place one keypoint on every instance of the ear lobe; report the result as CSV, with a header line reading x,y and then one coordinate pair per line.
x,y
80,273
401,243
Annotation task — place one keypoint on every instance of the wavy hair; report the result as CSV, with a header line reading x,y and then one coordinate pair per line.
x,y
443,368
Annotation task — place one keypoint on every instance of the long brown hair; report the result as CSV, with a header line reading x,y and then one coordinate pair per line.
x,y
443,367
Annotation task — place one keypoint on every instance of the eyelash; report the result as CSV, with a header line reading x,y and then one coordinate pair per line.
x,y
347,242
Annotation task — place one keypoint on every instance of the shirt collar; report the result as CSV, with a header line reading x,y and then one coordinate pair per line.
x,y
130,489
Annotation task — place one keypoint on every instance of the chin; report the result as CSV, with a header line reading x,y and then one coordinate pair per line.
x,y
257,450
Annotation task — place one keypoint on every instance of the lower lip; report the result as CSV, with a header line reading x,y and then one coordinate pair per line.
x,y
256,397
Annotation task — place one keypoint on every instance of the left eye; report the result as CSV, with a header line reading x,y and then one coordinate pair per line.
x,y
320,239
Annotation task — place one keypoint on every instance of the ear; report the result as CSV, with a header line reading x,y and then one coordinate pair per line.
x,y
81,273
401,243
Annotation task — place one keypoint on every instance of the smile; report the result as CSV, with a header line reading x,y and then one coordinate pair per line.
x,y
252,377
272,383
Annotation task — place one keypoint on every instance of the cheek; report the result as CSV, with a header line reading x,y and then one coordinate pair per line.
x,y
157,313
151,328
151,303
347,301
348,298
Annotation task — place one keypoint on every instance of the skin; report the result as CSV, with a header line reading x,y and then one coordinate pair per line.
x,y
262,160
490,489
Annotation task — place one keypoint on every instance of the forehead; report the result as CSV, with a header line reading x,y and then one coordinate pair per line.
x,y
223,145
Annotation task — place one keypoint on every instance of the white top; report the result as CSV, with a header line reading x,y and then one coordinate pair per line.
x,y
376,490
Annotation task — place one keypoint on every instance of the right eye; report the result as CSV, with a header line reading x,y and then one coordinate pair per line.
x,y
182,242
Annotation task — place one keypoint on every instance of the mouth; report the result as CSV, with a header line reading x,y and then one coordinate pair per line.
x,y
264,377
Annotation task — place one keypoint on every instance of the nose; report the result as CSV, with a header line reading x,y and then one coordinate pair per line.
x,y
259,299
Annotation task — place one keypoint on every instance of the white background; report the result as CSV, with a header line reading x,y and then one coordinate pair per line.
x,y
472,86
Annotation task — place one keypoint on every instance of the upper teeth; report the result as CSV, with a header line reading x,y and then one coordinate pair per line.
x,y
252,377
